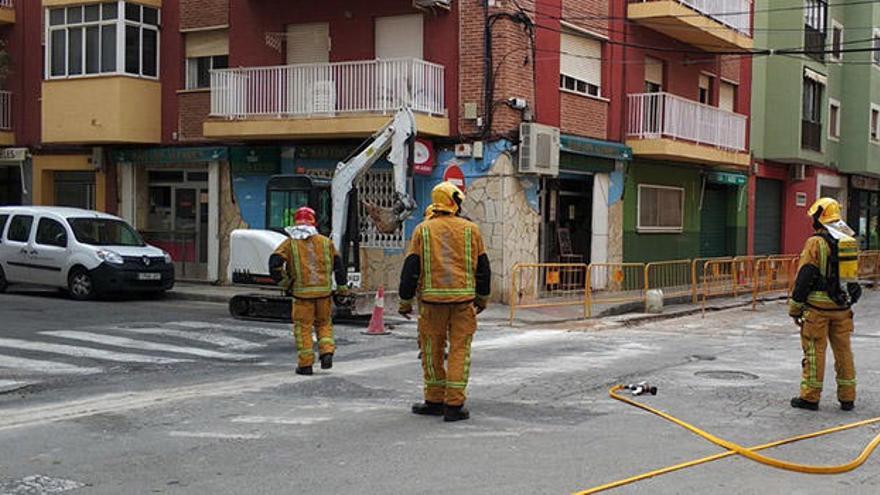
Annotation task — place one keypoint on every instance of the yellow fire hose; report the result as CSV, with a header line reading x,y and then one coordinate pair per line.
x,y
749,452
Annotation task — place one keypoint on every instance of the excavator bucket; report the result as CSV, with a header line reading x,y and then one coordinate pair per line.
x,y
385,219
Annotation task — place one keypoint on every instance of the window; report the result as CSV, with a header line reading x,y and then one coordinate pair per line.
x,y
105,232
379,186
705,89
660,208
85,40
811,120
875,117
3,219
205,50
20,228
815,26
836,41
51,233
580,64
727,96
833,119
653,75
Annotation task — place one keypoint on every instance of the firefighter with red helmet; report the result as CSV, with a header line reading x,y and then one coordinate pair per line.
x,y
447,265
306,265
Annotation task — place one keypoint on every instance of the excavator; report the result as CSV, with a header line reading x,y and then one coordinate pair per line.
x,y
335,203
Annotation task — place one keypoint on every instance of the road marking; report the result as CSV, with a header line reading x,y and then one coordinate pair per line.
x,y
112,340
216,435
51,367
86,352
277,333
212,337
279,420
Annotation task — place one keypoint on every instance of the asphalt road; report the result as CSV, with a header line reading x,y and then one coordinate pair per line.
x,y
123,397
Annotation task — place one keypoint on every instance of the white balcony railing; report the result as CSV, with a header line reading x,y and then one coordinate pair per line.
x,y
7,4
663,115
5,110
369,86
735,14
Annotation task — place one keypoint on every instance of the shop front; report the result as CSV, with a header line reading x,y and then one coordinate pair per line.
x,y
14,177
76,180
864,211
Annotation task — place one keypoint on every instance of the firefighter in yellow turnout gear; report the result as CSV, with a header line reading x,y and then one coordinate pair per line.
x,y
305,265
825,289
448,266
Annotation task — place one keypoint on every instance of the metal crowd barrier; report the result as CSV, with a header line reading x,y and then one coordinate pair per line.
x,y
543,285
615,283
774,275
674,278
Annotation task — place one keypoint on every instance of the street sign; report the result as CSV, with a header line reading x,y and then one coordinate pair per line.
x,y
454,175
423,157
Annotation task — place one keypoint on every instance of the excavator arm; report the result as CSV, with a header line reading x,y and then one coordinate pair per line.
x,y
396,139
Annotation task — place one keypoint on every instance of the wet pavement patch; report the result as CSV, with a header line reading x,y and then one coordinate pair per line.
x,y
38,485
729,375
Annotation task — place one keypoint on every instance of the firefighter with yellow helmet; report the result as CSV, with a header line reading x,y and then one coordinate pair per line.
x,y
825,290
447,265
305,265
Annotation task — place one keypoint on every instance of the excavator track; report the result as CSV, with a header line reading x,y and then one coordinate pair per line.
x,y
276,308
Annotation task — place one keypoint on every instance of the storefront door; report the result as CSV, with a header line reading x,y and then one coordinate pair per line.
x,y
10,185
568,216
768,217
864,217
713,222
75,189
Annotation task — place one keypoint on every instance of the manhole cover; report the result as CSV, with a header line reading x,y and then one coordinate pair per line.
x,y
727,375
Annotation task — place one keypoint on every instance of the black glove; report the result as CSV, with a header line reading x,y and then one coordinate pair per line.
x,y
855,292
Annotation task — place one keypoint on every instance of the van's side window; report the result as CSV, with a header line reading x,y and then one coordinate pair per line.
x,y
20,228
51,233
3,219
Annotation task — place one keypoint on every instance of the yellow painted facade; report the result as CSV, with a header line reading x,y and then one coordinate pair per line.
x,y
45,167
683,151
58,3
685,24
317,128
7,15
95,110
7,138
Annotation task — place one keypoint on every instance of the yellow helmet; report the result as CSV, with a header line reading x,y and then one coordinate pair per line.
x,y
447,197
830,210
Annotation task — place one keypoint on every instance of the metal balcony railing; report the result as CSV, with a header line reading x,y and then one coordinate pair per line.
x,y
5,110
663,115
7,4
327,89
735,14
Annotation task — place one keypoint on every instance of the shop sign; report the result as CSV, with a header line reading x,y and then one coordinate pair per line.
x,y
727,178
13,154
170,155
423,157
334,152
867,183
593,147
255,161
454,175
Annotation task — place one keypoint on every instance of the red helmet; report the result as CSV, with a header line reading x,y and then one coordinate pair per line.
x,y
305,215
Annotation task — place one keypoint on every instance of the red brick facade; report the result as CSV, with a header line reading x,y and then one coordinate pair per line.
x,y
199,14
194,109
584,116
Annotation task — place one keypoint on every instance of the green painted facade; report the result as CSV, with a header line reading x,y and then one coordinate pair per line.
x,y
777,89
647,247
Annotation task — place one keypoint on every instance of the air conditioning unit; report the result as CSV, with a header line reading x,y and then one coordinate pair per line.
x,y
432,4
538,149
797,172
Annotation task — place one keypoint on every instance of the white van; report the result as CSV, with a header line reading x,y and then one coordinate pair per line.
x,y
86,252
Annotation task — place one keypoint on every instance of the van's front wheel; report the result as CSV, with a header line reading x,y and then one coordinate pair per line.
x,y
80,284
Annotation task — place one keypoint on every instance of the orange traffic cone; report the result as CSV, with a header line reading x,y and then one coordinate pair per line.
x,y
377,321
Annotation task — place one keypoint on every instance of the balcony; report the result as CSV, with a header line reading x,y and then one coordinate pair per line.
x,y
327,100
7,12
711,25
7,137
668,127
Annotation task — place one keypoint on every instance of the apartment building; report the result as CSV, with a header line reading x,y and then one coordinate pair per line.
x,y
815,120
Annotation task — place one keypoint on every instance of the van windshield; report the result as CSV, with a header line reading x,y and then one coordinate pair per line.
x,y
105,232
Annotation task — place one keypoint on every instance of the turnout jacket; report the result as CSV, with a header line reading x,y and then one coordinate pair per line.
x,y
446,262
306,267
811,285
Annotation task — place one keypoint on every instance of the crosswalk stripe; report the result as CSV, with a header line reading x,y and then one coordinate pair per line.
x,y
38,366
113,340
212,337
268,332
86,352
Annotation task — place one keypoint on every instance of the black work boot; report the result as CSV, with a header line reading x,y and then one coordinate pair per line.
x,y
305,370
456,413
327,361
847,405
428,408
799,403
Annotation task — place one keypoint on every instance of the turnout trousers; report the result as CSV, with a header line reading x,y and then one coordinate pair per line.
x,y
820,328
446,379
308,315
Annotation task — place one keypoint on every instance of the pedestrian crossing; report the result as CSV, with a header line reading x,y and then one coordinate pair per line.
x,y
95,349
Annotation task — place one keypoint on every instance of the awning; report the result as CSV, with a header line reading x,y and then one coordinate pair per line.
x,y
727,178
593,147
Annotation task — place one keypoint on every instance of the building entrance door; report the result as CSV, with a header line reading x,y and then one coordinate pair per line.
x,y
713,222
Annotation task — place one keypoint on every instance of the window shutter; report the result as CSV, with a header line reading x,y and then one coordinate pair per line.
x,y
308,43
654,71
727,96
400,36
581,58
207,43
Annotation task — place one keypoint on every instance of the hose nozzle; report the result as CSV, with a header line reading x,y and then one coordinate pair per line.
x,y
641,388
